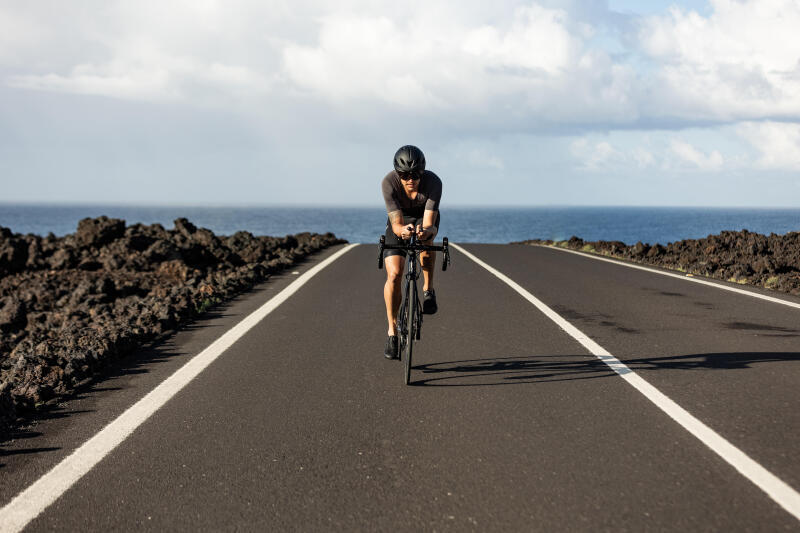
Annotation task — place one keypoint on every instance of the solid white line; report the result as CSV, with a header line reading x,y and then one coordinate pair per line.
x,y
777,489
29,503
679,276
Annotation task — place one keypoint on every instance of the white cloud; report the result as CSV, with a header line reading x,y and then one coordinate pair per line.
x,y
662,151
597,155
362,57
537,41
107,80
539,67
778,143
482,159
179,51
742,61
643,157
440,63
17,32
160,78
516,66
713,91
691,156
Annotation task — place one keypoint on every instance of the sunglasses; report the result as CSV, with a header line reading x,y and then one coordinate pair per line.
x,y
405,176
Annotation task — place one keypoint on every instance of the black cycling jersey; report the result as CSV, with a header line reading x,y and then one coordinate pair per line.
x,y
429,194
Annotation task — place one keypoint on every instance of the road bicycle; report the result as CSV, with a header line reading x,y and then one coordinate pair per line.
x,y
409,318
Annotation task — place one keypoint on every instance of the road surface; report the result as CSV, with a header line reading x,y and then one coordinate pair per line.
x,y
511,423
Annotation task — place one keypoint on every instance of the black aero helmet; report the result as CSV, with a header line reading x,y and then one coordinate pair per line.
x,y
409,159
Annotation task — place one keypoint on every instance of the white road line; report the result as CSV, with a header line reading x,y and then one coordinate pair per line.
x,y
29,503
679,276
777,489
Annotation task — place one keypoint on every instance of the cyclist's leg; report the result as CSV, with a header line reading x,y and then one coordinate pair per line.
x,y
394,262
428,260
392,291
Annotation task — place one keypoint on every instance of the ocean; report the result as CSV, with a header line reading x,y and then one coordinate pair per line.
x,y
459,224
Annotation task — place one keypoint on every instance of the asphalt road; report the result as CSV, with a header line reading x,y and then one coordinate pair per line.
x,y
511,423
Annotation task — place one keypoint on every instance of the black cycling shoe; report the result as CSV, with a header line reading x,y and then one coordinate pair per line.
x,y
429,306
390,352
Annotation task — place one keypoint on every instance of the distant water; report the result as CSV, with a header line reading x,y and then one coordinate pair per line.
x,y
460,224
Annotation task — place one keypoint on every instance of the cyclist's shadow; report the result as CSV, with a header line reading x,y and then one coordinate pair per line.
x,y
542,368
509,371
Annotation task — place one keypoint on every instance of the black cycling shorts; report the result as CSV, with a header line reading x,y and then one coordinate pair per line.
x,y
393,239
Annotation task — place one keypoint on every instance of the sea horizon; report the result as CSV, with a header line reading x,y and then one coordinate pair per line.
x,y
223,205
460,223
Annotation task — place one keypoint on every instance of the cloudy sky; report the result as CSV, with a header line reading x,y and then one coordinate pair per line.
x,y
251,102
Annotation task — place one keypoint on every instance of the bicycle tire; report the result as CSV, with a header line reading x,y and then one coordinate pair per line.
x,y
408,349
401,335
402,329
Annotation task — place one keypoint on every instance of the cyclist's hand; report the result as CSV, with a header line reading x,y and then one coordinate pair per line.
x,y
423,234
407,231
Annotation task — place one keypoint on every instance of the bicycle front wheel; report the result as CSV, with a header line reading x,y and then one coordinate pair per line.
x,y
412,326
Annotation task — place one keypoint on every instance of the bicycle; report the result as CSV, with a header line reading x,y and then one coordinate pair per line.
x,y
409,318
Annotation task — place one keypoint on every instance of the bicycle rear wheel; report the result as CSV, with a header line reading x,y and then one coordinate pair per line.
x,y
411,325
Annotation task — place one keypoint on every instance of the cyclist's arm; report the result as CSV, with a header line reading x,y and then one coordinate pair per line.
x,y
428,227
431,208
398,228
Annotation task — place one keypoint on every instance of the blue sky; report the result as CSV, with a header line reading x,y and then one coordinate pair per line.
x,y
242,102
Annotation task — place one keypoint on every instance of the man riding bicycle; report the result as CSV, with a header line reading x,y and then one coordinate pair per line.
x,y
412,196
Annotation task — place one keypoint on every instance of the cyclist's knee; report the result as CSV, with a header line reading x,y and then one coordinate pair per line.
x,y
394,272
393,277
428,259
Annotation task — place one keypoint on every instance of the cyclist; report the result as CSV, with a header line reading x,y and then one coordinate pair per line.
x,y
412,195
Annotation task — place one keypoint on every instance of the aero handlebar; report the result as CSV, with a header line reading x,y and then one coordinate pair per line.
x,y
414,246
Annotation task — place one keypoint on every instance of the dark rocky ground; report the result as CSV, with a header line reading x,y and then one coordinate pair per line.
x,y
71,305
738,256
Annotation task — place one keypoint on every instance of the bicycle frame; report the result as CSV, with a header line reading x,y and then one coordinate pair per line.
x,y
411,276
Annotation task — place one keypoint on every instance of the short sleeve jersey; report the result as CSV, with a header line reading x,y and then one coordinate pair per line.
x,y
429,193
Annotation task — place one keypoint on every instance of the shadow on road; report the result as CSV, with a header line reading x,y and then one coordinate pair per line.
x,y
711,361
545,368
510,370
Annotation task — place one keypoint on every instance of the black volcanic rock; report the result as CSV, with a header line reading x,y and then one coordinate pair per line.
x,y
99,231
771,261
69,305
13,252
13,315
